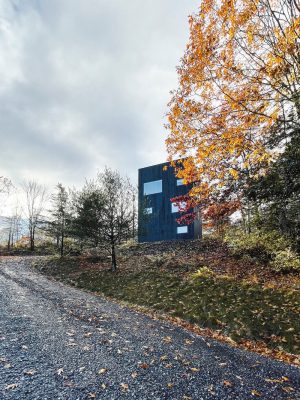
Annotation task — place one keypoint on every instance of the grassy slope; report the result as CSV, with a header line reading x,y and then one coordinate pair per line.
x,y
239,309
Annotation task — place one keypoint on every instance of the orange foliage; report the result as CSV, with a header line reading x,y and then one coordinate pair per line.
x,y
217,214
239,77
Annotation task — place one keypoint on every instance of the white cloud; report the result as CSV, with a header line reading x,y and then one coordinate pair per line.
x,y
84,84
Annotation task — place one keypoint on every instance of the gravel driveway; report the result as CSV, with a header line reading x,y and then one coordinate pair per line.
x,y
57,342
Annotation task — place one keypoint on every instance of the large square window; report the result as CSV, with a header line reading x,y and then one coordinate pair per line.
x,y
182,229
153,187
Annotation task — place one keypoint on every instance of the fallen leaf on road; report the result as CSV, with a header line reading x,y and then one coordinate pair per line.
x,y
102,371
273,380
30,372
187,341
92,395
88,334
60,371
170,385
255,393
144,366
167,339
194,369
227,383
103,386
134,375
7,366
163,358
124,387
11,386
288,389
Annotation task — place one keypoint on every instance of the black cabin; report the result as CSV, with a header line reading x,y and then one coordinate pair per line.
x,y
158,184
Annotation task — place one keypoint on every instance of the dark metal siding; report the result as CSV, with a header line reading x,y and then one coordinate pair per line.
x,y
161,224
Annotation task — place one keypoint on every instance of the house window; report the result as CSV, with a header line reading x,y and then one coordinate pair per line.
x,y
175,207
182,229
179,182
148,210
153,187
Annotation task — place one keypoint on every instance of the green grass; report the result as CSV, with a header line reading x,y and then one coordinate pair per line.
x,y
239,310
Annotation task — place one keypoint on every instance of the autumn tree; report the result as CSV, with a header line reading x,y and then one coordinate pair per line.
x,y
238,80
35,195
217,215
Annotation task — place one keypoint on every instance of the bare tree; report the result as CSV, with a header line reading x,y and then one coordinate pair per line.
x,y
35,202
5,185
13,228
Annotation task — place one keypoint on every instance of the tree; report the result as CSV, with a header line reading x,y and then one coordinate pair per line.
x,y
5,185
117,215
105,212
217,215
88,205
238,79
278,192
13,228
60,214
35,201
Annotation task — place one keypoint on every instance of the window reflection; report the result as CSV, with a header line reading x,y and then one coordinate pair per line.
x,y
153,187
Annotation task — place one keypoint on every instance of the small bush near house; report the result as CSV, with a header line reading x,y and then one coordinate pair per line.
x,y
286,261
260,245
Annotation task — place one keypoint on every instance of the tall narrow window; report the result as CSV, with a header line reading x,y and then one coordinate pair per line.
x,y
148,210
179,182
182,229
153,187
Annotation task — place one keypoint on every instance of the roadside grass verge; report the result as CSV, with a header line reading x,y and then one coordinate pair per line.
x,y
237,309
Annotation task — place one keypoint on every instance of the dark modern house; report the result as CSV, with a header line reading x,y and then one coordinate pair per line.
x,y
158,184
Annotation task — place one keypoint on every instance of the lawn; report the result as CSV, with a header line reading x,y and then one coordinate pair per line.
x,y
235,308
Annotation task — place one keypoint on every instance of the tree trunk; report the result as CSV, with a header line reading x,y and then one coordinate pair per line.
x,y
32,240
62,245
113,258
8,242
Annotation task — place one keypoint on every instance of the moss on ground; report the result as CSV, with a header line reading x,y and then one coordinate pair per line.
x,y
238,309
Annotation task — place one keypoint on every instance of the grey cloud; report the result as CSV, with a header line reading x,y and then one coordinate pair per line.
x,y
86,84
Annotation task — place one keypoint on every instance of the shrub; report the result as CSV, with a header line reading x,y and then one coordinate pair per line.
x,y
260,244
285,261
203,272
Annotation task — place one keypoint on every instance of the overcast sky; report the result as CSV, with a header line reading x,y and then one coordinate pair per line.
x,y
85,83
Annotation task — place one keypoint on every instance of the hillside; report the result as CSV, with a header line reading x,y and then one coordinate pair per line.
x,y
200,285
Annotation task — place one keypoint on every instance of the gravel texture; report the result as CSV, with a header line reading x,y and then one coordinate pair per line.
x,y
58,342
